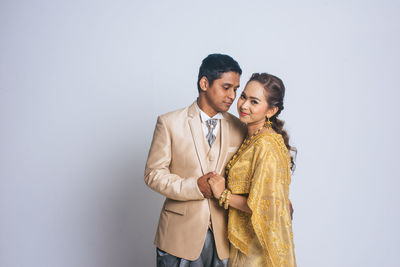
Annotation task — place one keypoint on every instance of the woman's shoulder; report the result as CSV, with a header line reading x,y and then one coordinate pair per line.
x,y
268,138
270,141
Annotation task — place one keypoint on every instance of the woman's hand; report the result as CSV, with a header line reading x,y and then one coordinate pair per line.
x,y
217,183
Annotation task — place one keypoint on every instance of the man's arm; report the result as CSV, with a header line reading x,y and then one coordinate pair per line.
x,y
158,176
291,209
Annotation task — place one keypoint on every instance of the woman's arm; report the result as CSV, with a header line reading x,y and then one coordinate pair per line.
x,y
239,202
217,183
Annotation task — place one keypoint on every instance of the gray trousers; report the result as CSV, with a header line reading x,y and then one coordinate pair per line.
x,y
208,257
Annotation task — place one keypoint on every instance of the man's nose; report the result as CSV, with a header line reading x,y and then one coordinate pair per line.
x,y
232,94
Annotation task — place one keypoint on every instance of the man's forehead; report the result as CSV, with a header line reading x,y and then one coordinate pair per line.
x,y
230,77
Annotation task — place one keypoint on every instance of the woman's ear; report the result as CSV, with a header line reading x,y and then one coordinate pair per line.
x,y
271,112
204,83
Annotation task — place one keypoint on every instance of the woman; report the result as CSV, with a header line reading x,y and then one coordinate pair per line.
x,y
258,178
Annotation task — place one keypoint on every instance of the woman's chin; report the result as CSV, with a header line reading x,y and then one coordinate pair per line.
x,y
243,119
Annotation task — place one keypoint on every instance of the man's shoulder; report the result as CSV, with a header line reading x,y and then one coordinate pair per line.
x,y
174,116
175,113
235,122
231,117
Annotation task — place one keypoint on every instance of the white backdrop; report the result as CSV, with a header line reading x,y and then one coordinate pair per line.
x,y
81,85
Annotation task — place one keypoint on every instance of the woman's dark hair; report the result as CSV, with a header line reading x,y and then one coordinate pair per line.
x,y
275,93
214,65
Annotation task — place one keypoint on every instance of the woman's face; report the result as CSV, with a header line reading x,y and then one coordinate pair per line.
x,y
252,104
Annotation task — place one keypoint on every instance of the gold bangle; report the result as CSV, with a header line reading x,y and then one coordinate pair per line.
x,y
227,198
222,197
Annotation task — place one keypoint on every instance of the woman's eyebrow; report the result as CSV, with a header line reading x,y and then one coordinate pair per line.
x,y
253,97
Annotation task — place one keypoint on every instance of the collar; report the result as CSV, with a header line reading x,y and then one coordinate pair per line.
x,y
204,117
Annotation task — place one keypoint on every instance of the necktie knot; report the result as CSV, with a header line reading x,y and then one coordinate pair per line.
x,y
211,123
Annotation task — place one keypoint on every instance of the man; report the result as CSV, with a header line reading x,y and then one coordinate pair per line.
x,y
189,146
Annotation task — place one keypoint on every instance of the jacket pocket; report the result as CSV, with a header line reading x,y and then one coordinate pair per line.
x,y
178,207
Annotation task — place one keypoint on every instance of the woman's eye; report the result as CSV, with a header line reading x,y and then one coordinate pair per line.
x,y
242,97
254,102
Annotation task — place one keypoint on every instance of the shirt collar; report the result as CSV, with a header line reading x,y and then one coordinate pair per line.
x,y
204,117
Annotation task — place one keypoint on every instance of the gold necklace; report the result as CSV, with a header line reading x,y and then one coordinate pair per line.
x,y
242,147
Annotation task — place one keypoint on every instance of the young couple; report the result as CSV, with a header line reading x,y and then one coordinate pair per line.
x,y
206,162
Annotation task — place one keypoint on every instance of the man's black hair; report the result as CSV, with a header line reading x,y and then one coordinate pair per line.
x,y
214,65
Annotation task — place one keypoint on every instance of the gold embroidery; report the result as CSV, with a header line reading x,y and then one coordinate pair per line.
x,y
261,169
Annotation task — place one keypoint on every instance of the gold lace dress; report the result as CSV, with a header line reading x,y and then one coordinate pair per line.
x,y
261,171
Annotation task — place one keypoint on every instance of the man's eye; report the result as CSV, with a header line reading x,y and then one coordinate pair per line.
x,y
254,102
242,97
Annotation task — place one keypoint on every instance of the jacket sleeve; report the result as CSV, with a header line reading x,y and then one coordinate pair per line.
x,y
157,173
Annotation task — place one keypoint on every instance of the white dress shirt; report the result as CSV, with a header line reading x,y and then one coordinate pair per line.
x,y
204,117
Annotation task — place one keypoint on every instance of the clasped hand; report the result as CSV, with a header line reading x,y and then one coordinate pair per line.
x,y
211,184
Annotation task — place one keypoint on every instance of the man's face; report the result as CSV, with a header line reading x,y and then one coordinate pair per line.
x,y
222,93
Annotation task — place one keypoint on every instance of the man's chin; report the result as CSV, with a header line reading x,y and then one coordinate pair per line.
x,y
224,108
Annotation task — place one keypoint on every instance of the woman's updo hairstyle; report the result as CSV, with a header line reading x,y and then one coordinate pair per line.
x,y
275,93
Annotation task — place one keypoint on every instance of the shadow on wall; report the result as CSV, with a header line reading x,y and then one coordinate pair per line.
x,y
140,208
126,211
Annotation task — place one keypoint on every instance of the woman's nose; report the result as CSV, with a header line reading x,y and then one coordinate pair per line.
x,y
244,105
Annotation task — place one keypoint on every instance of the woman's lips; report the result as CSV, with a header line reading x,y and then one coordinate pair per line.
x,y
243,114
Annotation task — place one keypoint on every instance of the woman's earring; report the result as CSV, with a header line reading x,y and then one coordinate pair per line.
x,y
268,123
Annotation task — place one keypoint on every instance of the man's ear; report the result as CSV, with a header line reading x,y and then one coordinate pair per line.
x,y
204,85
272,111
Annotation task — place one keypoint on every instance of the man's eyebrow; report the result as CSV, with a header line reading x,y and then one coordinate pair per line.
x,y
230,84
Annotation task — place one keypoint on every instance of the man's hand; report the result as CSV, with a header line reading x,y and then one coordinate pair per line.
x,y
217,183
291,209
204,186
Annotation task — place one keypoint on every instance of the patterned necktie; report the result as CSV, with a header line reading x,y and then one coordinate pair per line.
x,y
211,123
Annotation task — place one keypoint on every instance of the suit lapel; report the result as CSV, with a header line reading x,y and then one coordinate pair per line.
x,y
224,128
197,135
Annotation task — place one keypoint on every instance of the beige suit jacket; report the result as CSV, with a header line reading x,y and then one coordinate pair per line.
x,y
177,158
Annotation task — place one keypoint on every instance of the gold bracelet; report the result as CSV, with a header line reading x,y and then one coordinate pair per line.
x,y
223,197
227,198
